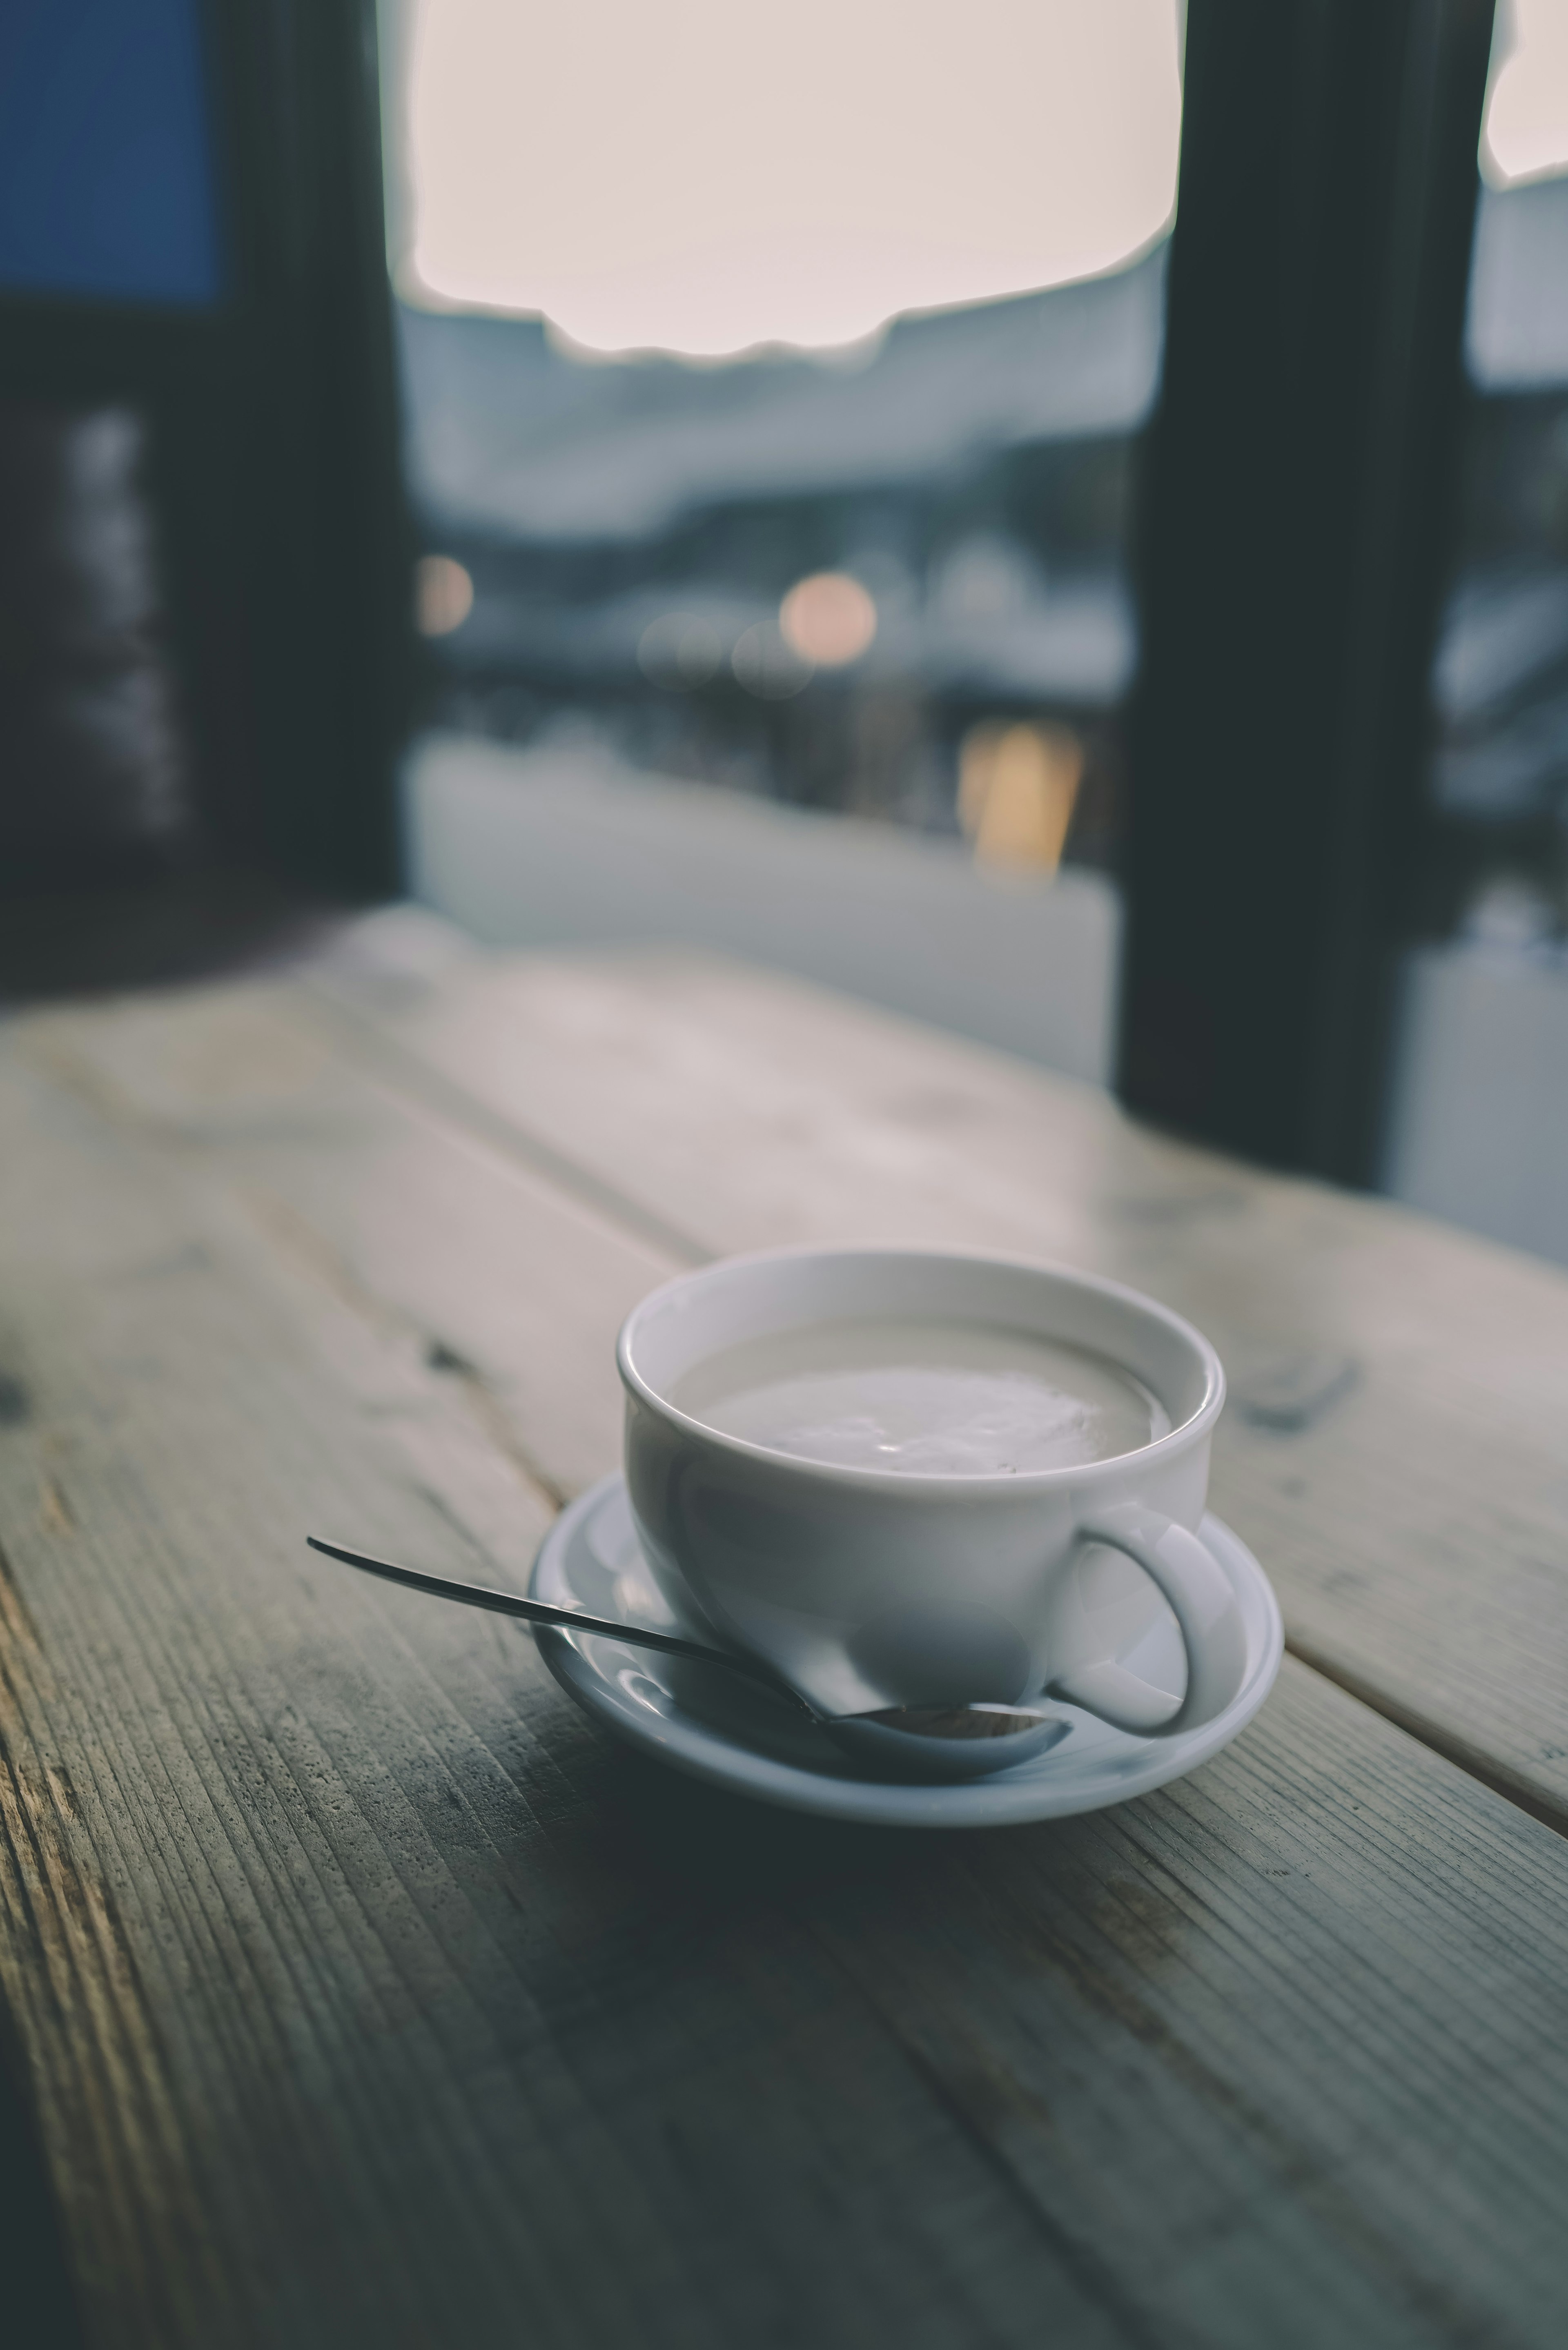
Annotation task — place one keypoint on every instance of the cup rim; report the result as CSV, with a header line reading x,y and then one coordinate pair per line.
x,y
982,1484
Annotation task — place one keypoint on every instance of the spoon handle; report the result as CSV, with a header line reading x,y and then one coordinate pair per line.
x,y
538,1611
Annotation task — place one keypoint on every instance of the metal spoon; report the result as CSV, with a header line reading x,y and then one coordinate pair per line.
x,y
914,1741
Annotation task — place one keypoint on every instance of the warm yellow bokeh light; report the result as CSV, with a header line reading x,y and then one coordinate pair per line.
x,y
828,619
702,178
1018,785
444,595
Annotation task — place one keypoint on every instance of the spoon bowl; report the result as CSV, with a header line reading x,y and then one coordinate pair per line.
x,y
957,1741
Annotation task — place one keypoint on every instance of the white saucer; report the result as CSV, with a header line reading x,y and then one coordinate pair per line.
x,y
711,1724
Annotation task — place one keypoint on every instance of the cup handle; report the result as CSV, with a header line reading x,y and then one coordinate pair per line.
x,y
1204,1604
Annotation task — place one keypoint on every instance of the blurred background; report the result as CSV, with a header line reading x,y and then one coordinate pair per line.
x,y
1054,519
773,421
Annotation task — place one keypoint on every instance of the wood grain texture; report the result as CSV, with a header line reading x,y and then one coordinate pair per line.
x,y
1394,1449
512,1286
370,1995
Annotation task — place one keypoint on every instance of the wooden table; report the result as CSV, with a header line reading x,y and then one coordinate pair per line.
x,y
370,1994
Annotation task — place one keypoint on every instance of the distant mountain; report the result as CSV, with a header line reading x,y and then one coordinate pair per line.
x,y
512,437
513,441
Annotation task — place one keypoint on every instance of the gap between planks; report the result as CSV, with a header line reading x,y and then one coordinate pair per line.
x,y
1429,1733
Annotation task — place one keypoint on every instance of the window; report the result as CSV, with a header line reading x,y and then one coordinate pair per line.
x,y
775,396
1479,1123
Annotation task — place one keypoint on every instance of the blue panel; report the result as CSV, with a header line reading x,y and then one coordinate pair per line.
x,y
106,176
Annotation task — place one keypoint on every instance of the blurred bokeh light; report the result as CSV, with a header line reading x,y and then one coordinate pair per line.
x,y
680,652
768,666
828,619
1018,785
444,595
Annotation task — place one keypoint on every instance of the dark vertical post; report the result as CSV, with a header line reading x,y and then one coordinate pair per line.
x,y
270,413
317,505
1296,504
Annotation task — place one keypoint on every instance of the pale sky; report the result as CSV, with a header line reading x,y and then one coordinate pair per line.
x,y
704,175
1526,135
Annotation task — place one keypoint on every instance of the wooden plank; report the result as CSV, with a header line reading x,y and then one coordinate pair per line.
x,y
507,1282
370,1993
1395,1449
337,2010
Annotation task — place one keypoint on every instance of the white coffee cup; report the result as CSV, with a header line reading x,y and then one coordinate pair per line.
x,y
869,1587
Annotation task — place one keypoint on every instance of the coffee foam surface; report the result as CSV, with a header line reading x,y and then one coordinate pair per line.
x,y
927,1398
